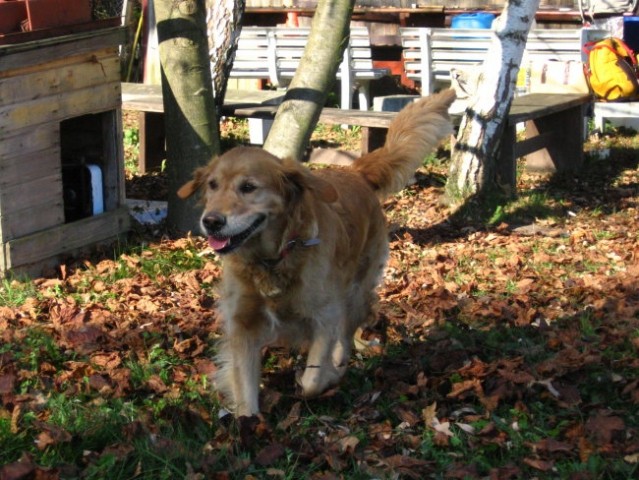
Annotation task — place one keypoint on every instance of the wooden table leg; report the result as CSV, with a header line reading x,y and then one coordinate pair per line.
x,y
152,141
373,138
564,148
506,164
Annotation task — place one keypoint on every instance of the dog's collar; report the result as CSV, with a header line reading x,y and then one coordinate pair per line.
x,y
288,247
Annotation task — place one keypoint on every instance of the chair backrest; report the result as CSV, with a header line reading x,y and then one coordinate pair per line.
x,y
431,53
563,44
255,55
274,53
290,43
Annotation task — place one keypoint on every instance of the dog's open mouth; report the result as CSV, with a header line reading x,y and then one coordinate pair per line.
x,y
226,244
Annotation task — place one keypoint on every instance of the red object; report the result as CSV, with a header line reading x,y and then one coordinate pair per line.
x,y
20,37
40,19
57,13
11,14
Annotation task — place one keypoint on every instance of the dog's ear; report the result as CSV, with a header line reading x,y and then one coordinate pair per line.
x,y
301,178
192,186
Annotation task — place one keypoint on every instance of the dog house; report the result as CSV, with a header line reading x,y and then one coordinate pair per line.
x,y
61,154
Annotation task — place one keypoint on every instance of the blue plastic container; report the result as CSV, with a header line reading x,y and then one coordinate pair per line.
x,y
472,20
631,32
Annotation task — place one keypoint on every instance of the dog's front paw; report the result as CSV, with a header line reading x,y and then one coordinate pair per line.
x,y
309,382
314,380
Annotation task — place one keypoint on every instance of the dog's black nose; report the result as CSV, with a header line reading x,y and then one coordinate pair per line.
x,y
213,221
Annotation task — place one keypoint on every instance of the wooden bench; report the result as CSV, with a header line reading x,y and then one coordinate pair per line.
x,y
254,104
274,53
554,126
431,53
555,132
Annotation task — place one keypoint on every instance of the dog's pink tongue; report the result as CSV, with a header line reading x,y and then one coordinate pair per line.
x,y
217,244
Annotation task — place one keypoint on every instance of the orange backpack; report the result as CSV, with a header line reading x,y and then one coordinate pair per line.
x,y
612,70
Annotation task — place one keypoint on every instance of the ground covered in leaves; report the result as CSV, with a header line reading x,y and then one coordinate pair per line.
x,y
507,348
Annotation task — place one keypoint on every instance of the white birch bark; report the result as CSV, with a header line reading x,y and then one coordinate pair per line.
x,y
472,169
224,25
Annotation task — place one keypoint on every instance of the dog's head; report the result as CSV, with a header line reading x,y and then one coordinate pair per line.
x,y
245,189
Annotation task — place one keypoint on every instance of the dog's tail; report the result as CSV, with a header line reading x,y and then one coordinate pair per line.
x,y
413,134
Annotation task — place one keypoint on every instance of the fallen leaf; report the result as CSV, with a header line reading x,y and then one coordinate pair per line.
x,y
551,445
20,470
7,383
462,471
442,427
270,454
603,427
156,384
633,459
292,418
538,464
348,443
429,413
50,435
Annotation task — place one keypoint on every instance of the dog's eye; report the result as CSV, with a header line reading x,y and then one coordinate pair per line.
x,y
213,184
248,187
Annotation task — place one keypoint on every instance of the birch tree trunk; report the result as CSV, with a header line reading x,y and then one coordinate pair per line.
x,y
298,114
473,162
189,113
224,25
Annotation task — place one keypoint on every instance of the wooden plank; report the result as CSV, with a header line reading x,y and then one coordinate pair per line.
x,y
113,164
58,63
28,166
78,72
31,206
148,98
331,116
55,108
338,116
536,105
29,194
33,219
62,30
36,52
26,140
142,97
66,238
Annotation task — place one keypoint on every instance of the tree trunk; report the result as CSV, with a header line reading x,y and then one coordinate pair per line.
x,y
306,95
191,126
473,163
224,25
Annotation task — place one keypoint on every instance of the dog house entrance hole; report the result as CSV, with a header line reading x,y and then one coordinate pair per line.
x,y
84,152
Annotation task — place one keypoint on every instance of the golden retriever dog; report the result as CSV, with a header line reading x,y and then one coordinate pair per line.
x,y
303,251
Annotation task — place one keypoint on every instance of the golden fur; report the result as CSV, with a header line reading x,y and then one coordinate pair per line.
x,y
304,251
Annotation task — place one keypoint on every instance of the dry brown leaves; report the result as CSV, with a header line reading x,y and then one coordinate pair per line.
x,y
569,284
